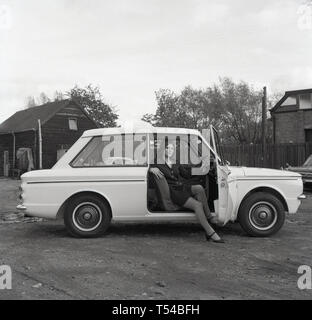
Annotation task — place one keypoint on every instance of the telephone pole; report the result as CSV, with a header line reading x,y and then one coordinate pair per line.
x,y
264,120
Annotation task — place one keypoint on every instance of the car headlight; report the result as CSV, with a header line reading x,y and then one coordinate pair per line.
x,y
20,195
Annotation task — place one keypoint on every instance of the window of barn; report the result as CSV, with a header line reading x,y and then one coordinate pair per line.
x,y
290,101
73,124
305,101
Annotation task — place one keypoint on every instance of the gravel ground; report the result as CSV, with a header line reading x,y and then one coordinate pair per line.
x,y
151,261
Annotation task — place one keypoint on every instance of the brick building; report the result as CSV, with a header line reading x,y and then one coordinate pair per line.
x,y
62,123
292,117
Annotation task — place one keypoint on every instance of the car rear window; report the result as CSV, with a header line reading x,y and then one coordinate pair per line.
x,y
113,150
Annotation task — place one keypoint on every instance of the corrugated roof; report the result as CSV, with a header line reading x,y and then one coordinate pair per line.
x,y
26,120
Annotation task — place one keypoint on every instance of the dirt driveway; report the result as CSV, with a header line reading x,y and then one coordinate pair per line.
x,y
154,261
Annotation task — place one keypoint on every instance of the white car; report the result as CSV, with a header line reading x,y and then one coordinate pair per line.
x,y
104,177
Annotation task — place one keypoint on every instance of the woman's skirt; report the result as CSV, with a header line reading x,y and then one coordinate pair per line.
x,y
180,194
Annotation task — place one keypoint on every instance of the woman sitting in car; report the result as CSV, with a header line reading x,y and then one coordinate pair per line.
x,y
182,193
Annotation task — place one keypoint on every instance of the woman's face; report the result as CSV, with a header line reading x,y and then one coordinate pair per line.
x,y
170,150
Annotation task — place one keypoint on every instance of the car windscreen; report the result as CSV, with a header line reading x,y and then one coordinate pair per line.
x,y
218,150
308,162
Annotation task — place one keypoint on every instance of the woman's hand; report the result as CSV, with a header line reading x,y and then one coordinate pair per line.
x,y
157,173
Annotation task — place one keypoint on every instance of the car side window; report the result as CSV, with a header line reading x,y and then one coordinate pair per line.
x,y
113,150
188,148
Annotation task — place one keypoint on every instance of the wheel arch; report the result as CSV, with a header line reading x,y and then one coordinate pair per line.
x,y
61,211
267,190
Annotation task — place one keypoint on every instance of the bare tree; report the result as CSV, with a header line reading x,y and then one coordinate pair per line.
x,y
58,95
234,108
30,102
91,99
43,98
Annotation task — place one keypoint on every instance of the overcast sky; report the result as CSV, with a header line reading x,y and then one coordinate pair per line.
x,y
130,48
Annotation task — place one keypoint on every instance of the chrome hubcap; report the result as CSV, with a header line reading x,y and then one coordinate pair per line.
x,y
262,215
87,216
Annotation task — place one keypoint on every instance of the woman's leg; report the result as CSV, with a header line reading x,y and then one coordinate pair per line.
x,y
199,193
197,207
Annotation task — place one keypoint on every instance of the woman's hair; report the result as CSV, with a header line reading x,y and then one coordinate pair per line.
x,y
164,144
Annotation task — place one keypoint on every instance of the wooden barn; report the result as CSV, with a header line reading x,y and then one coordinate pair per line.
x,y
46,132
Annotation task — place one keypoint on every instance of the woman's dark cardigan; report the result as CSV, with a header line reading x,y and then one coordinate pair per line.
x,y
178,178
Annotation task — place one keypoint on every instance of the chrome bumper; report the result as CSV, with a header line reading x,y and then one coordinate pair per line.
x,y
302,196
21,207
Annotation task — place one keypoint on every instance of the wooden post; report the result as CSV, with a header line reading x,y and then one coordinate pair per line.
x,y
264,120
40,144
14,150
35,149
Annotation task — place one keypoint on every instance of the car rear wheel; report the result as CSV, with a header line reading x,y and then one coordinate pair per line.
x,y
261,214
87,216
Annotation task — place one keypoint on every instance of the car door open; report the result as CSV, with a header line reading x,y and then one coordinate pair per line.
x,y
224,204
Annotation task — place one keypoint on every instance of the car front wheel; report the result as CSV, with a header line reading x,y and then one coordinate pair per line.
x,y
87,216
261,214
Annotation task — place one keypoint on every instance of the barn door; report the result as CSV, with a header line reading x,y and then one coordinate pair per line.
x,y
6,163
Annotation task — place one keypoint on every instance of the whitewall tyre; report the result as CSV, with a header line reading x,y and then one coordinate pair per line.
x,y
262,214
87,216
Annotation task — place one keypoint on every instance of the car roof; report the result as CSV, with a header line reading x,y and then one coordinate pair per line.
x,y
125,130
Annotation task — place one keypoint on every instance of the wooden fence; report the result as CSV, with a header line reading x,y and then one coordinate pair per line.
x,y
275,155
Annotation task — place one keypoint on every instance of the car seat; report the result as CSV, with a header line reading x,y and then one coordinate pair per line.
x,y
163,194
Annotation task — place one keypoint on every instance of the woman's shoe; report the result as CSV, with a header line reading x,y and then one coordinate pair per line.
x,y
211,219
208,238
